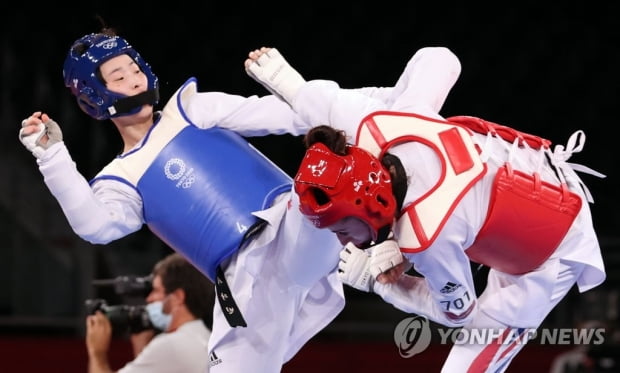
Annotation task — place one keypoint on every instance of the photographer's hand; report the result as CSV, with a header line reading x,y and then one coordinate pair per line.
x,y
98,337
140,340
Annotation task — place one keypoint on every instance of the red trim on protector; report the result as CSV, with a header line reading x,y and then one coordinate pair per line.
x,y
456,150
436,150
403,114
417,228
443,221
507,133
372,126
369,122
375,132
410,211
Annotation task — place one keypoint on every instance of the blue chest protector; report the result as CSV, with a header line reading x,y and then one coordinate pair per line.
x,y
199,192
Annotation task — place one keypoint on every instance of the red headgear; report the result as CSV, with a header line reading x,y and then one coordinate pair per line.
x,y
332,187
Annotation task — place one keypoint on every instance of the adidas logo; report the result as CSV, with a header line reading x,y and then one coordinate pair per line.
x,y
213,359
449,287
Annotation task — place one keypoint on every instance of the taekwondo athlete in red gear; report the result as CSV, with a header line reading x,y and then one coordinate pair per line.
x,y
466,179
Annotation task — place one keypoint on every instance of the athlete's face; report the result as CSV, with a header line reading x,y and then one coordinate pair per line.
x,y
351,229
122,75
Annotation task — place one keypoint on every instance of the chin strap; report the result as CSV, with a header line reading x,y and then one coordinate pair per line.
x,y
127,104
384,233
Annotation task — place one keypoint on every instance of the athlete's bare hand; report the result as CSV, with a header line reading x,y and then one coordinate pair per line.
x,y
393,274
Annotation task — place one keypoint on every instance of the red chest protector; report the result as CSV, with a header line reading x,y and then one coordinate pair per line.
x,y
527,217
419,224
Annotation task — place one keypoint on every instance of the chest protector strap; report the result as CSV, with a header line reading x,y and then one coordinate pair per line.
x,y
422,220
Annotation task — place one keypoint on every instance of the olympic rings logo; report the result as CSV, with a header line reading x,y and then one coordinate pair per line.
x,y
179,168
175,169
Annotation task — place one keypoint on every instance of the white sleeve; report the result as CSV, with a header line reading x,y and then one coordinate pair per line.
x,y
411,294
379,93
323,102
422,88
446,293
248,116
108,211
426,82
424,85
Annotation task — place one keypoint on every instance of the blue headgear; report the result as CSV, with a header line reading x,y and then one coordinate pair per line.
x,y
80,72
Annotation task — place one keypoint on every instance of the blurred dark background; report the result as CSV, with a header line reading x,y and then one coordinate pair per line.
x,y
548,69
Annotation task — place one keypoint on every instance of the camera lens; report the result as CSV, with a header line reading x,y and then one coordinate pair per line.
x,y
131,318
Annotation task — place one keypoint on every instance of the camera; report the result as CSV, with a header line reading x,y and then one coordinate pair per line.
x,y
123,317
128,285
127,316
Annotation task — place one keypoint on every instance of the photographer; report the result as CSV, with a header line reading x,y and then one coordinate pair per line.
x,y
181,306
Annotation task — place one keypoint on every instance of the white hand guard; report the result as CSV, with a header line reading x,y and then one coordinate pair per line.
x,y
353,268
359,268
274,73
33,142
384,256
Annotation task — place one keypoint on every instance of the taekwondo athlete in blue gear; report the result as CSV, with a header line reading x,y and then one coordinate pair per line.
x,y
220,207
187,172
207,209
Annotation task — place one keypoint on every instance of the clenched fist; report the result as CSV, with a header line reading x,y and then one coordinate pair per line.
x,y
39,132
